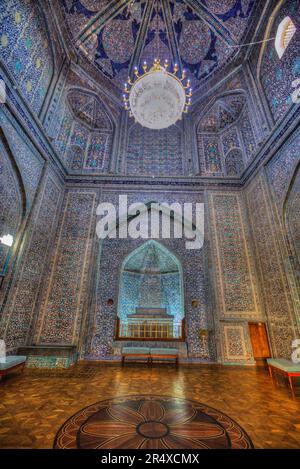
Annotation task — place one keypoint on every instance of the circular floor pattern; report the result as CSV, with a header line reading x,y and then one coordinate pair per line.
x,y
150,422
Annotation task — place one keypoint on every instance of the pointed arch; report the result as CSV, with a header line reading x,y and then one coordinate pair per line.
x,y
151,277
220,98
275,70
176,215
176,263
89,109
291,214
12,203
224,125
85,134
267,36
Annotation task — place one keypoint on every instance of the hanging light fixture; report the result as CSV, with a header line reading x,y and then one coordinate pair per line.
x,y
157,98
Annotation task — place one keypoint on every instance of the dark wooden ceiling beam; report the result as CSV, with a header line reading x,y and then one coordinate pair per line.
x,y
219,29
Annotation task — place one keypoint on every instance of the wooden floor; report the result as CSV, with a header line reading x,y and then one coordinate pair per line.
x,y
34,405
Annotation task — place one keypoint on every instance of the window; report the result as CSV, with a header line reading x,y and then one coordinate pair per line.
x,y
284,35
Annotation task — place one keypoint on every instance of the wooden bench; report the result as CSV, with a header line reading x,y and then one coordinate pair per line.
x,y
164,354
11,362
150,354
136,352
286,368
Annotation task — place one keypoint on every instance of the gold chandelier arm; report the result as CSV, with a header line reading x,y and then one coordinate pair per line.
x,y
183,76
146,71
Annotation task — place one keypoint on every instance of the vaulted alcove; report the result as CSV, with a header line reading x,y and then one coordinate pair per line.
x,y
151,298
149,224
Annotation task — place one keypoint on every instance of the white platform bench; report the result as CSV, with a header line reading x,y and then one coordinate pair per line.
x,y
150,354
286,368
11,362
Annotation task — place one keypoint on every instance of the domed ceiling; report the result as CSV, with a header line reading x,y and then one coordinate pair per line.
x,y
202,36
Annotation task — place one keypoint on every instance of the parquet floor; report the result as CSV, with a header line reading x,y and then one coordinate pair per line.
x,y
33,406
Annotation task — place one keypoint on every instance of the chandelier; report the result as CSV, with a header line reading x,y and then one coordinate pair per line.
x,y
157,98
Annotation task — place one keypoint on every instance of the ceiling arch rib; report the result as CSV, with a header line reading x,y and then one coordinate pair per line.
x,y
141,37
183,31
221,31
171,33
101,18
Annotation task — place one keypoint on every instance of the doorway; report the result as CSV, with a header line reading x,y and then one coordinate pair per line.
x,y
260,342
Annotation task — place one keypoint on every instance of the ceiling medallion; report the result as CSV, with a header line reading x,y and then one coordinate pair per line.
x,y
157,98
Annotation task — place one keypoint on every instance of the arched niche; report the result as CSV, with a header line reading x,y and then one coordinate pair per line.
x,y
12,202
99,331
221,111
84,131
292,217
275,71
151,288
89,109
224,131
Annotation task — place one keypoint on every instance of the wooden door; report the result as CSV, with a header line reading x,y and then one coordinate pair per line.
x,y
259,340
